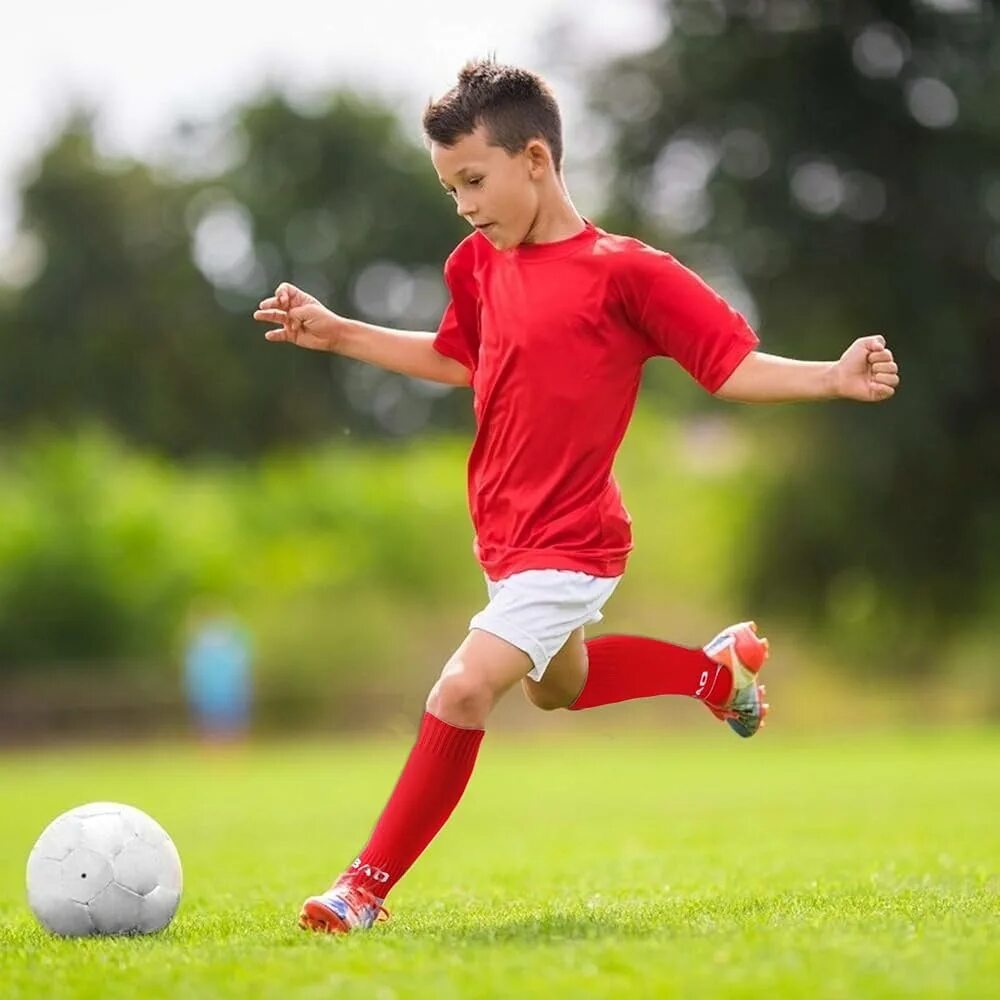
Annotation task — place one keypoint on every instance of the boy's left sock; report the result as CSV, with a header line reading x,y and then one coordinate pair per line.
x,y
626,667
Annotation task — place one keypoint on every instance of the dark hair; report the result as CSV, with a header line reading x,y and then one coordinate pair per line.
x,y
515,106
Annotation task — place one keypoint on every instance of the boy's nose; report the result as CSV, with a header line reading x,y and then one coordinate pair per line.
x,y
465,209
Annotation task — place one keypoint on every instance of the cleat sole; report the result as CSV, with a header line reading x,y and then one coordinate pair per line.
x,y
316,917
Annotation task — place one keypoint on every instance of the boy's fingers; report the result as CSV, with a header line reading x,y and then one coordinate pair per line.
x,y
880,391
275,335
270,315
285,293
270,303
876,343
885,366
879,356
886,378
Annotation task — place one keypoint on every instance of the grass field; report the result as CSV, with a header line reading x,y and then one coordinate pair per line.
x,y
684,865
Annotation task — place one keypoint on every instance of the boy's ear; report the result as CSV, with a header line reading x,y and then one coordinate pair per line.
x,y
539,156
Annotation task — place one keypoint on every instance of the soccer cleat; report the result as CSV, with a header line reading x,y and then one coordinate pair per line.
x,y
341,909
742,652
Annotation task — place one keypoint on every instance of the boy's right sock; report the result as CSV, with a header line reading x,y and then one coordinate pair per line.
x,y
626,667
429,787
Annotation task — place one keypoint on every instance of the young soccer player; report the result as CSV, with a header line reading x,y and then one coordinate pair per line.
x,y
550,322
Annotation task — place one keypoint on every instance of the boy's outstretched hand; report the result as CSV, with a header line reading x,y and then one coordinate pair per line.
x,y
304,321
867,372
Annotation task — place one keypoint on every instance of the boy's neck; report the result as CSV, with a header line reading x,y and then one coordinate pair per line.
x,y
557,219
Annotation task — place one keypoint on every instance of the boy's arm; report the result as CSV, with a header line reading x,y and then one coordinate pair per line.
x,y
866,372
306,322
409,352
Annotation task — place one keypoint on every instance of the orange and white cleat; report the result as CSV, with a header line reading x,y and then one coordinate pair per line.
x,y
341,909
742,652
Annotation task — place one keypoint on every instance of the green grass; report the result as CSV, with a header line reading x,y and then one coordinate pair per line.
x,y
600,865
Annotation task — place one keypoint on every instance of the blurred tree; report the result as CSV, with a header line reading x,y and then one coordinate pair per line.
x,y
835,169
139,315
342,203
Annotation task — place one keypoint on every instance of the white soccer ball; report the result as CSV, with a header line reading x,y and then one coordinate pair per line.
x,y
104,868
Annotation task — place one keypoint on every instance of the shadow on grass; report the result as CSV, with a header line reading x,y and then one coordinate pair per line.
x,y
543,926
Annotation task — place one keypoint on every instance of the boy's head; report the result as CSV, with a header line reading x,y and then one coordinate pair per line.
x,y
496,144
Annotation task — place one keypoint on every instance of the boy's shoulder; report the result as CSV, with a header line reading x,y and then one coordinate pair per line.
x,y
467,258
625,249
617,243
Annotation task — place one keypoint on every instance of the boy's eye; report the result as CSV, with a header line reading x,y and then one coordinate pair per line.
x,y
472,182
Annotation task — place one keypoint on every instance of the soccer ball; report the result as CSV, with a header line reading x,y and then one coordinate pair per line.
x,y
104,868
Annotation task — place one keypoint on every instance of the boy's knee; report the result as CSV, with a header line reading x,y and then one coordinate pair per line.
x,y
459,699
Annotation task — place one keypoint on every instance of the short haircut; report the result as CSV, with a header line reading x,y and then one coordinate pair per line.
x,y
514,105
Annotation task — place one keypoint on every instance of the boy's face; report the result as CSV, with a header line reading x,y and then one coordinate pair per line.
x,y
493,191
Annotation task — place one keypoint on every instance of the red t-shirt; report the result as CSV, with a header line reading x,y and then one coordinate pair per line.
x,y
555,335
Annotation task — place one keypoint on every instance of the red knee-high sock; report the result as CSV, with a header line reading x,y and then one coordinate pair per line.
x,y
624,667
429,787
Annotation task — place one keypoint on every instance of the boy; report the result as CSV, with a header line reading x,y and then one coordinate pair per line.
x,y
550,322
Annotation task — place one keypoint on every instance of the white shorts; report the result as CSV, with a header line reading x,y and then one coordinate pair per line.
x,y
538,609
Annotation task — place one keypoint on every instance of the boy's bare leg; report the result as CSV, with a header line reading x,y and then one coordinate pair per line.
x,y
564,677
474,679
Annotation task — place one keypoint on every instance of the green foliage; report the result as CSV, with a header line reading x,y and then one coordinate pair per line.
x,y
574,867
835,168
87,571
106,550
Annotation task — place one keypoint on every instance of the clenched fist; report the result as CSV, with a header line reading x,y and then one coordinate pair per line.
x,y
867,372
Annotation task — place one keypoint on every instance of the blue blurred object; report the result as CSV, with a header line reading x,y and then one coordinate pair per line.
x,y
217,677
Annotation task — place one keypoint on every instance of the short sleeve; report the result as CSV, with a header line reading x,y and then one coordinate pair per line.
x,y
683,318
458,332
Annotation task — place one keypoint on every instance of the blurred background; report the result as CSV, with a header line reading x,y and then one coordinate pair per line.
x,y
203,532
